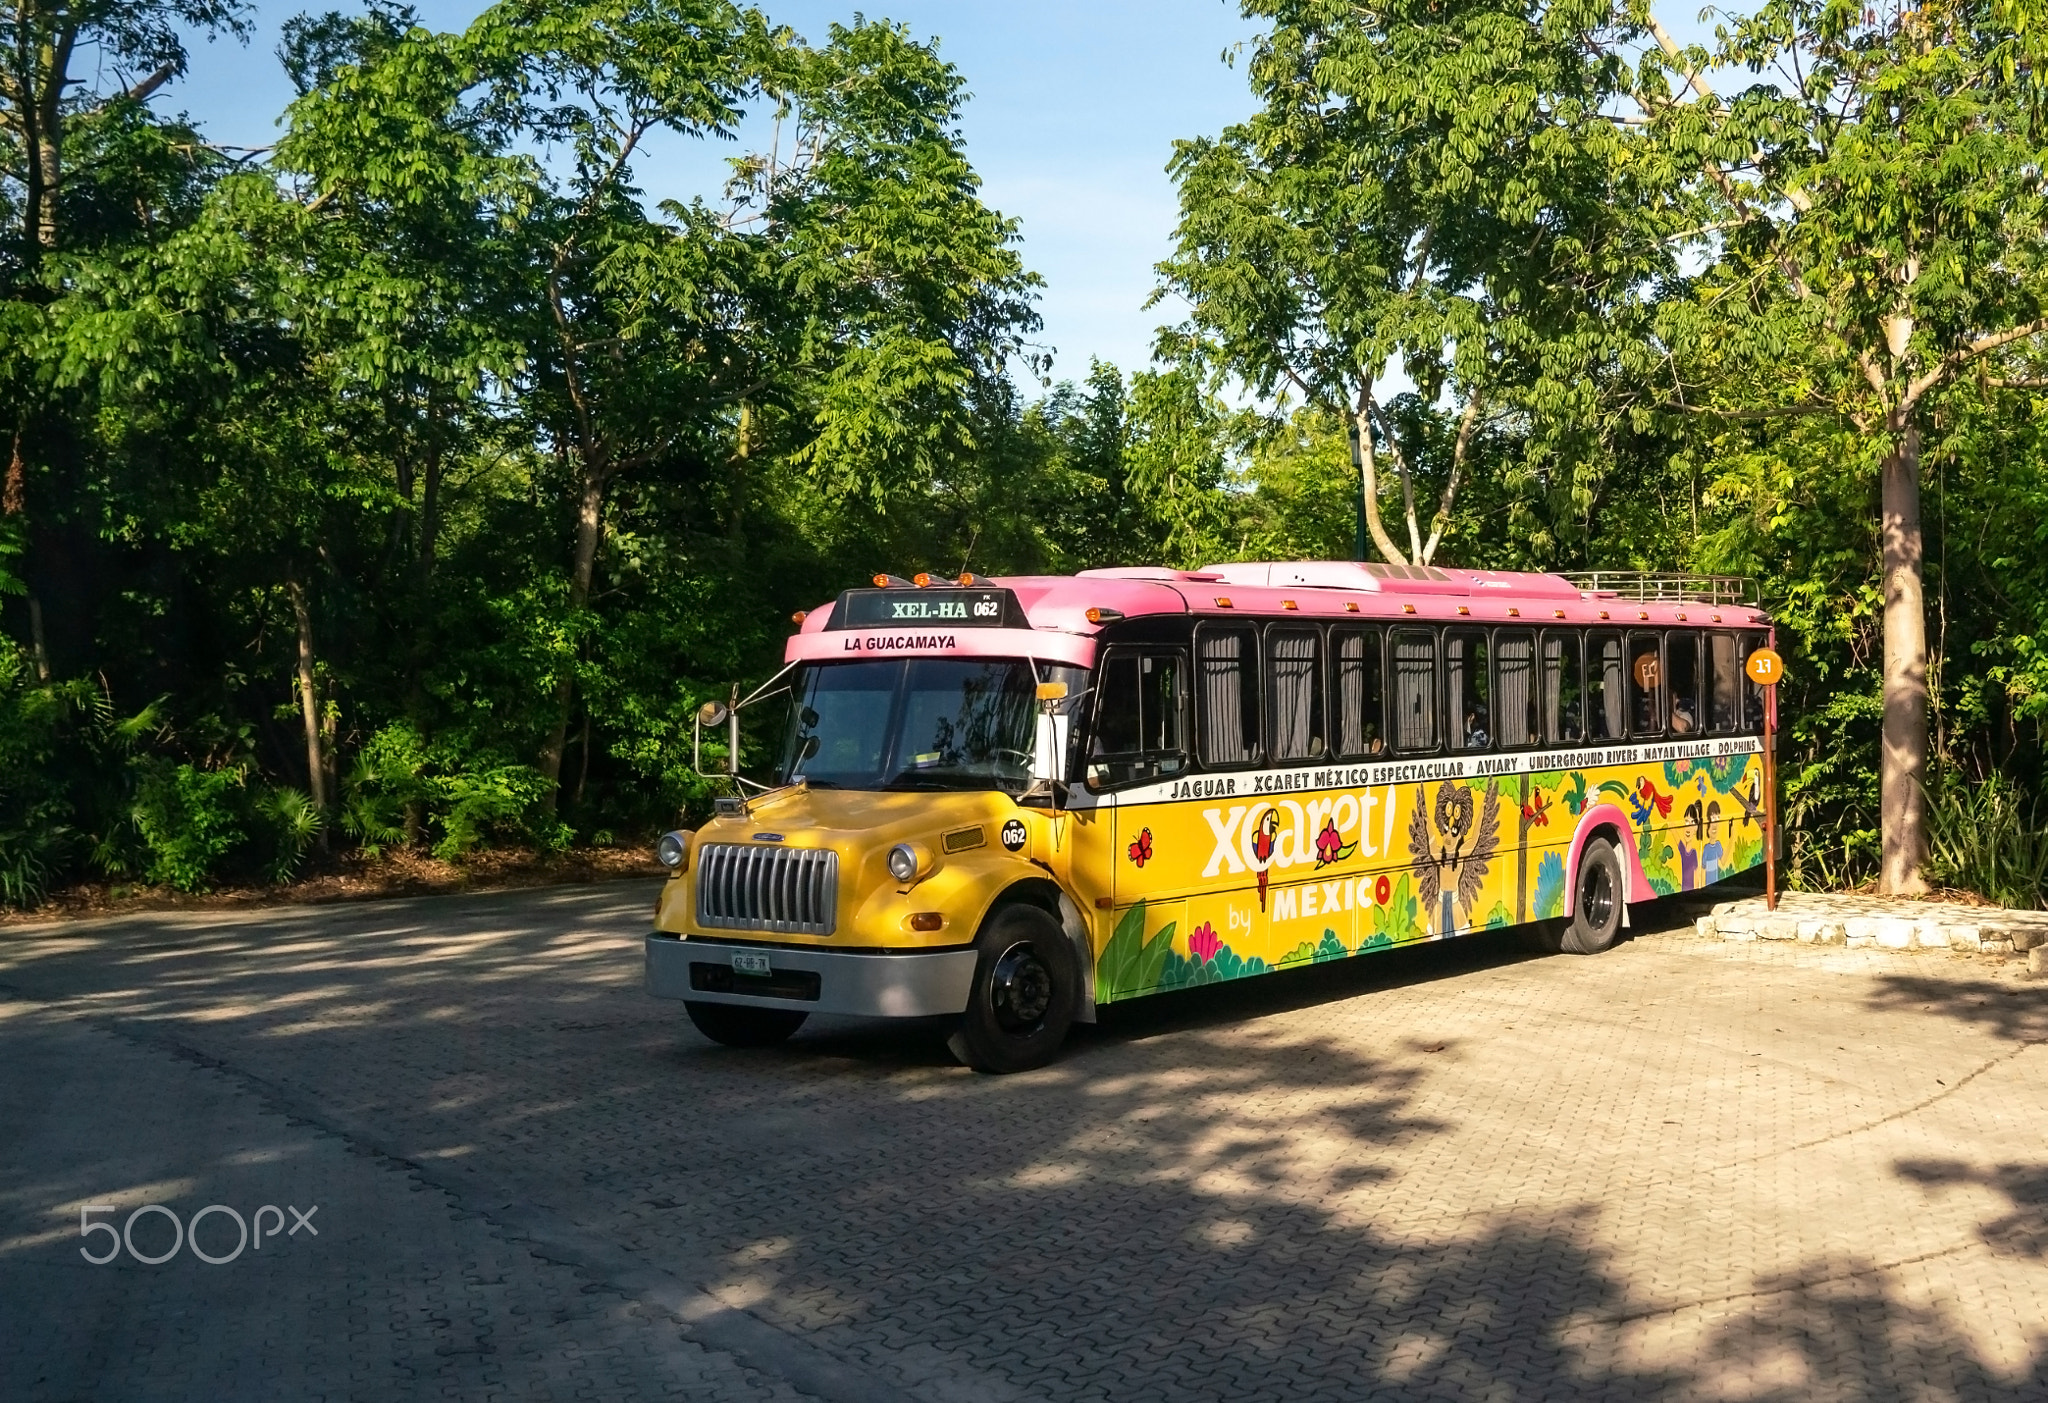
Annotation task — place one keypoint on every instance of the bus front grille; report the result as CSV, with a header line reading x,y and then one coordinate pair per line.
x,y
744,886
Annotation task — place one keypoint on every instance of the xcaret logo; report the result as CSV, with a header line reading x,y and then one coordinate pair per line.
x,y
1281,834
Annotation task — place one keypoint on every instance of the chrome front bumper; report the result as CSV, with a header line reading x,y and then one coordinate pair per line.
x,y
878,984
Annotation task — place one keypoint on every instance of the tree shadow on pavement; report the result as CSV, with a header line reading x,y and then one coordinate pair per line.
x,y
1205,1204
2017,1012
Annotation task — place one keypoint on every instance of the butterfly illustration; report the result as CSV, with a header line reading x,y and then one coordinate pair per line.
x,y
1141,847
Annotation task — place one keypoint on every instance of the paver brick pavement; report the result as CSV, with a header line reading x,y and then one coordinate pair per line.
x,y
1684,1169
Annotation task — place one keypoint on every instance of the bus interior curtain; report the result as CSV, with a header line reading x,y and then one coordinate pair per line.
x,y
1224,739
1727,668
1514,716
1414,686
1294,691
1351,694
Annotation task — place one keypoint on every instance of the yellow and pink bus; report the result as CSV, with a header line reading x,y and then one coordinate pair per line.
x,y
1016,800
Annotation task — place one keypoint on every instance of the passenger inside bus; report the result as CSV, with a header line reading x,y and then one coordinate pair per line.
x,y
1475,728
1647,675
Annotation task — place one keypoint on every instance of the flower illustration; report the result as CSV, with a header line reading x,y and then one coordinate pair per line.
x,y
1203,943
1330,845
1141,847
1382,889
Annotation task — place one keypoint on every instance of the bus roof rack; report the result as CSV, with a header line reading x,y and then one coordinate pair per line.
x,y
1650,587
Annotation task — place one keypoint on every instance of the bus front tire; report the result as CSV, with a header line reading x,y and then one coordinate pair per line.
x,y
1027,982
737,1025
1597,901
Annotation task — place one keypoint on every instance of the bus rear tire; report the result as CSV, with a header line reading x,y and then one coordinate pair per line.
x,y
1027,982
1597,902
737,1025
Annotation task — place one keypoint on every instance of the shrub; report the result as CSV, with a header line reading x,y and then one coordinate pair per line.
x,y
1986,838
190,819
401,786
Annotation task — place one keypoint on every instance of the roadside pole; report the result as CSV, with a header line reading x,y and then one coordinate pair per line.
x,y
1766,668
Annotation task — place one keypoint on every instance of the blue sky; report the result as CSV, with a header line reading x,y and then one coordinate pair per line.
x,y
1074,112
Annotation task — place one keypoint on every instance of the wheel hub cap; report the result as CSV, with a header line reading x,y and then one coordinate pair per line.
x,y
1020,990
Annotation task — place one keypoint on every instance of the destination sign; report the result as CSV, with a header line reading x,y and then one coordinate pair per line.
x,y
919,608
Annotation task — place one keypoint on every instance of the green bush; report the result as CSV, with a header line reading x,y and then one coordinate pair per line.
x,y
190,820
1986,838
36,835
401,789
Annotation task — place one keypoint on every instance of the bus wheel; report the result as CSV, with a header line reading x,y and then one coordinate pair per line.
x,y
1597,904
1026,982
737,1025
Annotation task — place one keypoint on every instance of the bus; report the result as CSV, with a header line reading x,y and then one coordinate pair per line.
x,y
1012,801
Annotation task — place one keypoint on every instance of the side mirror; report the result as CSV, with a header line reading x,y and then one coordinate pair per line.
x,y
714,714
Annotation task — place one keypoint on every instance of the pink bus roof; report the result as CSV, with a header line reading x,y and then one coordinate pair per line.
x,y
1058,605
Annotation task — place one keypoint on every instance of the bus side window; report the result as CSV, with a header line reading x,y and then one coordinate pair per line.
x,y
1227,667
1361,694
1294,693
1469,718
1682,661
1726,666
1604,700
1514,690
1645,685
1752,695
1564,702
1140,719
1414,691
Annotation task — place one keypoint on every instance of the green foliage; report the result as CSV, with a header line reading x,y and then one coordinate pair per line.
x,y
189,819
1989,839
1129,963
404,789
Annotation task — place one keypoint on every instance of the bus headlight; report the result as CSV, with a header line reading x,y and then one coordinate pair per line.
x,y
672,850
908,862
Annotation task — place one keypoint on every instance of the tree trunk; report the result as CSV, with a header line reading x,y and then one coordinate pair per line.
x,y
430,496
1902,794
1369,482
589,526
309,699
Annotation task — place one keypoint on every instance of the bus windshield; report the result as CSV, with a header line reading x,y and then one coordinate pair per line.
x,y
912,723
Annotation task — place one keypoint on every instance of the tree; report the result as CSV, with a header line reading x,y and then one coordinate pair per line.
x,y
1876,216
1439,188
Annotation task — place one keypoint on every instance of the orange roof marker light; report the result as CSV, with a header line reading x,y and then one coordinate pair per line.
x,y
1350,606
1289,604
921,580
891,582
1222,601
1407,608
1104,616
800,615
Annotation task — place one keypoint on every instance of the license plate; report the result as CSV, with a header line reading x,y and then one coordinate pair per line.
x,y
744,962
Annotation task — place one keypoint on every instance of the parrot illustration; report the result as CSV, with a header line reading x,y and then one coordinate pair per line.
x,y
1263,841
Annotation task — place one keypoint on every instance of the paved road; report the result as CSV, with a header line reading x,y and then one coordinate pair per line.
x,y
1682,1170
